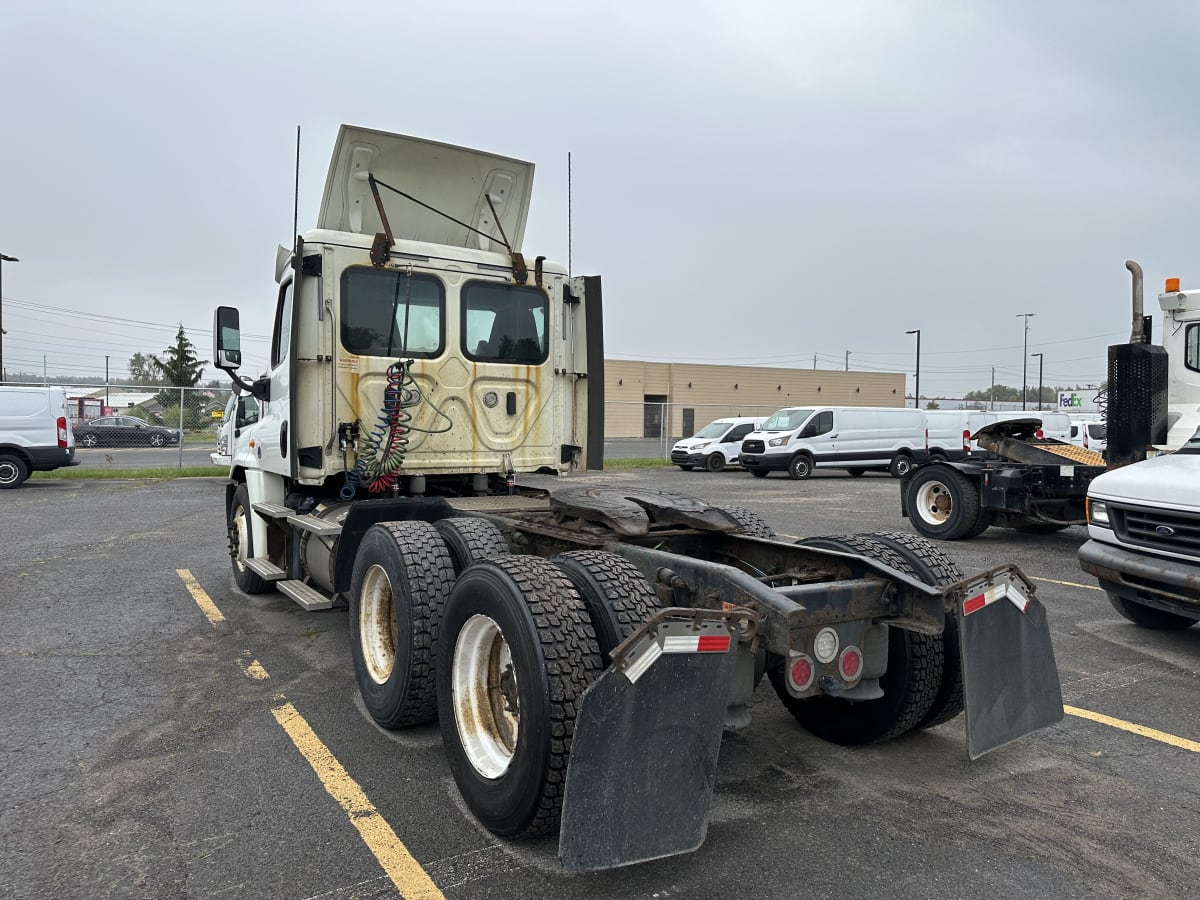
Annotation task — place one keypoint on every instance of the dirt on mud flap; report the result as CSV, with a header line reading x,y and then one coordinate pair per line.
x,y
1010,679
644,754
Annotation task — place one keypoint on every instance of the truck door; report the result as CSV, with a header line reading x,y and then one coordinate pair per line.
x,y
273,443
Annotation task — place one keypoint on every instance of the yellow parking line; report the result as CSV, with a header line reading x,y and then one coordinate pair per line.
x,y
1152,733
1090,587
404,871
202,599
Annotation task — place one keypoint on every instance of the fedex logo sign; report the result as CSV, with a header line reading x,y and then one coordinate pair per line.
x,y
1069,401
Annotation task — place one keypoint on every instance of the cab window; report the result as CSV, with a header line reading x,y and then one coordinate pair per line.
x,y
386,312
1191,347
283,326
822,423
504,323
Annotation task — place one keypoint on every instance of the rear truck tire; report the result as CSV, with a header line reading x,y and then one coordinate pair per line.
x,y
617,596
687,468
469,540
517,651
856,472
749,522
936,458
901,465
241,545
910,685
930,563
800,467
759,473
402,576
1148,616
944,504
13,471
715,462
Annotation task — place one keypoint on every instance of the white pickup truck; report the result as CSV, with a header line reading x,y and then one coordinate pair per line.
x,y
1144,525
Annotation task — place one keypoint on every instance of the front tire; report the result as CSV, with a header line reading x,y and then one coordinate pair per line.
x,y
402,577
715,462
241,545
759,473
13,471
901,465
517,651
800,467
944,504
1148,616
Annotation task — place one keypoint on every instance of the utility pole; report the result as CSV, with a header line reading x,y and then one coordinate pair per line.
x,y
3,260
814,362
106,403
917,392
847,360
1041,360
992,394
1025,358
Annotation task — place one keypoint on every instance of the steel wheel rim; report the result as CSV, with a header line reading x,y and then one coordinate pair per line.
x,y
8,472
377,625
934,503
485,696
240,530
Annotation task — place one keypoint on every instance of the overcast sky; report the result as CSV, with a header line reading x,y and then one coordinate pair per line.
x,y
757,182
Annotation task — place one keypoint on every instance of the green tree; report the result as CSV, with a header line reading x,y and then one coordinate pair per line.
x,y
180,366
144,369
181,369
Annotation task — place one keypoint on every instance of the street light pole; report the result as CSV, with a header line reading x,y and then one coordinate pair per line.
x,y
3,260
917,393
1041,360
1025,359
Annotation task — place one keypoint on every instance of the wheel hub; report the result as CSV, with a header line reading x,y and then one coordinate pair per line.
x,y
486,696
377,625
934,502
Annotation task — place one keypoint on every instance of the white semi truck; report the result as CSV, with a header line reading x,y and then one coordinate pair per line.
x,y
583,649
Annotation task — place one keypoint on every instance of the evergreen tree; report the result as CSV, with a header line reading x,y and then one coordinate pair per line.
x,y
180,366
144,369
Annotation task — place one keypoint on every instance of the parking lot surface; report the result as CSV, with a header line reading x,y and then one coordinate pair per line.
x,y
164,735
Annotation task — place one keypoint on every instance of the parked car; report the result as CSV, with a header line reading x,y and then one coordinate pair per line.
x,y
716,445
35,433
123,431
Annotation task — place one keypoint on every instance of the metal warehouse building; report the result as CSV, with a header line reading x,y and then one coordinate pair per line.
x,y
650,400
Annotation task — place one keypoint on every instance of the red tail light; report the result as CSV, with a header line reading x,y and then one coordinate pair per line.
x,y
1039,434
850,664
801,672
967,440
1085,437
62,432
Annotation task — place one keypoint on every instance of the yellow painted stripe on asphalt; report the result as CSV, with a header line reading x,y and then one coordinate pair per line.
x,y
254,669
405,872
202,599
1152,733
1090,587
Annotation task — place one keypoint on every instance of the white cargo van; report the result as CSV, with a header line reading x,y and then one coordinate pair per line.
x,y
1089,435
949,433
35,433
854,438
716,445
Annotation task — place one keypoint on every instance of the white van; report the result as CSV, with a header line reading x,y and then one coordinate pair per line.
x,y
854,438
35,433
1089,434
716,445
949,433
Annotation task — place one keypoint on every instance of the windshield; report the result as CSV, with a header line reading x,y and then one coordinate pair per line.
x,y
712,430
787,420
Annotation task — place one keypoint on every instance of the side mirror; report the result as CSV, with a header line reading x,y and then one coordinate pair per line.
x,y
227,339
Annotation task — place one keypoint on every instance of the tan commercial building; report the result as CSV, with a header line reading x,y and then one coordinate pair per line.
x,y
643,398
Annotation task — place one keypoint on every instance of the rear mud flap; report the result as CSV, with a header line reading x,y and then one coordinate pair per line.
x,y
644,754
1010,680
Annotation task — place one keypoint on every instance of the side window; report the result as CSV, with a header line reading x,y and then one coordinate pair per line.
x,y
738,433
822,424
283,326
1191,347
504,323
386,312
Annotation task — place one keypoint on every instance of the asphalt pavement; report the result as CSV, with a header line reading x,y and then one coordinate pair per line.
x,y
154,743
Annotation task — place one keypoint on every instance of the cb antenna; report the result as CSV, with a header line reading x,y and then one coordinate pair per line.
x,y
569,269
296,195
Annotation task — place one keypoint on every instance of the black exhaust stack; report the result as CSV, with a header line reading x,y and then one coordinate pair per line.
x,y
1136,413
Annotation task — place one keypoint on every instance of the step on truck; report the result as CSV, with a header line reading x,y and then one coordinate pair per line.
x,y
582,649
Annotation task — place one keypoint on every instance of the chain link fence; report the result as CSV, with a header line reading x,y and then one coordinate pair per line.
x,y
123,426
